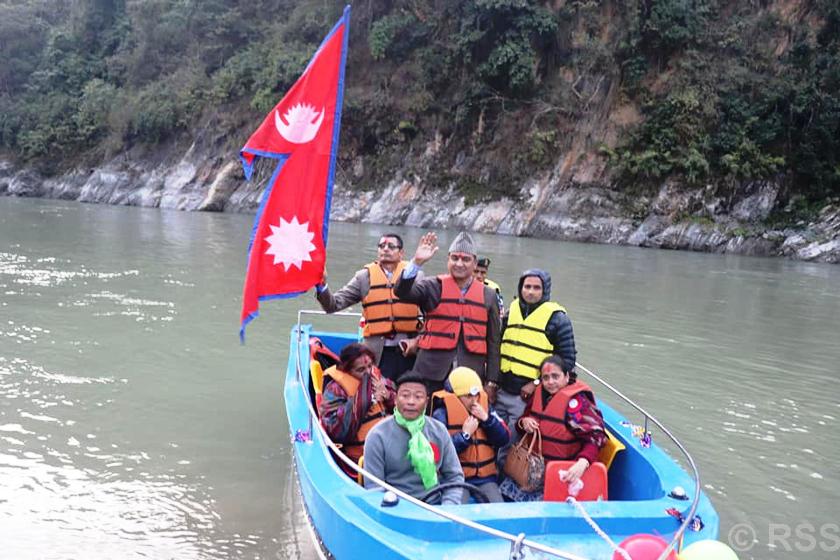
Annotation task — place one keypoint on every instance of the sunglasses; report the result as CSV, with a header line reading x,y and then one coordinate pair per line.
x,y
391,246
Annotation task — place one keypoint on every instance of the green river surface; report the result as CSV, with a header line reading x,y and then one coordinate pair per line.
x,y
133,424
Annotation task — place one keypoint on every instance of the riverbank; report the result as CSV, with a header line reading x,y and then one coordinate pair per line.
x,y
571,203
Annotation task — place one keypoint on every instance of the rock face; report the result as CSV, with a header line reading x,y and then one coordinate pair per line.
x,y
677,218
566,204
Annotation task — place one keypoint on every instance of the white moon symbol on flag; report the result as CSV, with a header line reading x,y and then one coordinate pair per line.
x,y
300,124
290,243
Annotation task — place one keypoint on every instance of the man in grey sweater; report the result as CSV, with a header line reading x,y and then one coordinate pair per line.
x,y
411,451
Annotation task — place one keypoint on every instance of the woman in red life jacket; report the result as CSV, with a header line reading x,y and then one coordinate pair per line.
x,y
355,398
572,428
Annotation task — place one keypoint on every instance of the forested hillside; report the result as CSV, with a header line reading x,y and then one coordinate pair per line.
x,y
691,92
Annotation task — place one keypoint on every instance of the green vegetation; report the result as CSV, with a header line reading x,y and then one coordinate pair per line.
x,y
729,92
737,110
108,74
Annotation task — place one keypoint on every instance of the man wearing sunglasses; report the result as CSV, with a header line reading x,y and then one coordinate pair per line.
x,y
462,315
390,324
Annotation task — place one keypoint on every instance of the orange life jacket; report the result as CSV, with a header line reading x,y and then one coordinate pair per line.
x,y
558,442
454,312
355,445
384,313
479,458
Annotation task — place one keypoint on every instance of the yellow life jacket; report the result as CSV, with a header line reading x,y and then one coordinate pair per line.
x,y
384,313
524,344
490,284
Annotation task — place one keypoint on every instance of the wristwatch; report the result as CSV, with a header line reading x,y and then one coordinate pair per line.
x,y
466,435
537,382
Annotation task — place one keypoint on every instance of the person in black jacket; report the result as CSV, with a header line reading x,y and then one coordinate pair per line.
x,y
535,328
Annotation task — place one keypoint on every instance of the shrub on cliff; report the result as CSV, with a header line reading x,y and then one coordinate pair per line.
x,y
494,90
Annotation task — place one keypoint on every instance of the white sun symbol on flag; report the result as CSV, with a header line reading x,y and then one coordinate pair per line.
x,y
291,243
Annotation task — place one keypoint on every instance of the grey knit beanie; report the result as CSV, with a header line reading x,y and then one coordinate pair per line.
x,y
463,244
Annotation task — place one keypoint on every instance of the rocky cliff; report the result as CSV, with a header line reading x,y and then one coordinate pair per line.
x,y
558,204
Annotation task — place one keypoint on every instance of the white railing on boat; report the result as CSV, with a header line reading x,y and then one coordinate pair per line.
x,y
517,542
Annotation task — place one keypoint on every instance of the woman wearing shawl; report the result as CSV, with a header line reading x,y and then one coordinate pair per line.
x,y
356,397
411,451
572,428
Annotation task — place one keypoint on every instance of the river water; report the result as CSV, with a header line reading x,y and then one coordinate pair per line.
x,y
134,425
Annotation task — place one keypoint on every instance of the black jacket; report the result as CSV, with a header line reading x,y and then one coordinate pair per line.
x,y
558,330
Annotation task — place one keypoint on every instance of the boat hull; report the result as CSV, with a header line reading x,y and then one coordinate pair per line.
x,y
351,521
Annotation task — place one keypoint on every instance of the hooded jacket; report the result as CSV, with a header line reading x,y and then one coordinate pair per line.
x,y
558,330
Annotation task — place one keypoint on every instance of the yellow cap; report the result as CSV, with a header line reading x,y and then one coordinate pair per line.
x,y
464,381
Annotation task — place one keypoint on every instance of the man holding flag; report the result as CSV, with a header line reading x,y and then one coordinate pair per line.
x,y
288,243
391,325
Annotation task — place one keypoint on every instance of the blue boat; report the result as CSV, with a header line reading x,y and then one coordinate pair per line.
x,y
349,521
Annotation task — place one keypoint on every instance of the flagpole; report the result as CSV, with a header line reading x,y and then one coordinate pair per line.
x,y
337,124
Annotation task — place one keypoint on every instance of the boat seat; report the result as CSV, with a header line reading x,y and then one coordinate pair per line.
x,y
316,373
595,484
610,449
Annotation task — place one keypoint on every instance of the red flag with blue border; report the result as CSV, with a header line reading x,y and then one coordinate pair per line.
x,y
287,252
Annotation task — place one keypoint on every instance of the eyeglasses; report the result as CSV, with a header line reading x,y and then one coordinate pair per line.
x,y
391,246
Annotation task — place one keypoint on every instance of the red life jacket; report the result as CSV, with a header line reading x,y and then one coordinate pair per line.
x,y
454,312
354,447
479,458
558,442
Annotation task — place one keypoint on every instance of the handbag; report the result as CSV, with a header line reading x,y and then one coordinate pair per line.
x,y
524,464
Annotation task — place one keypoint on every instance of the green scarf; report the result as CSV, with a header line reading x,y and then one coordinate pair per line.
x,y
419,449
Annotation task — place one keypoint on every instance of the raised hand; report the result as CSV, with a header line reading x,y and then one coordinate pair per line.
x,y
380,390
470,425
478,411
426,249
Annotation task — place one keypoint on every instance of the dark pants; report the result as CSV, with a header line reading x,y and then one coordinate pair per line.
x,y
490,489
433,386
392,364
